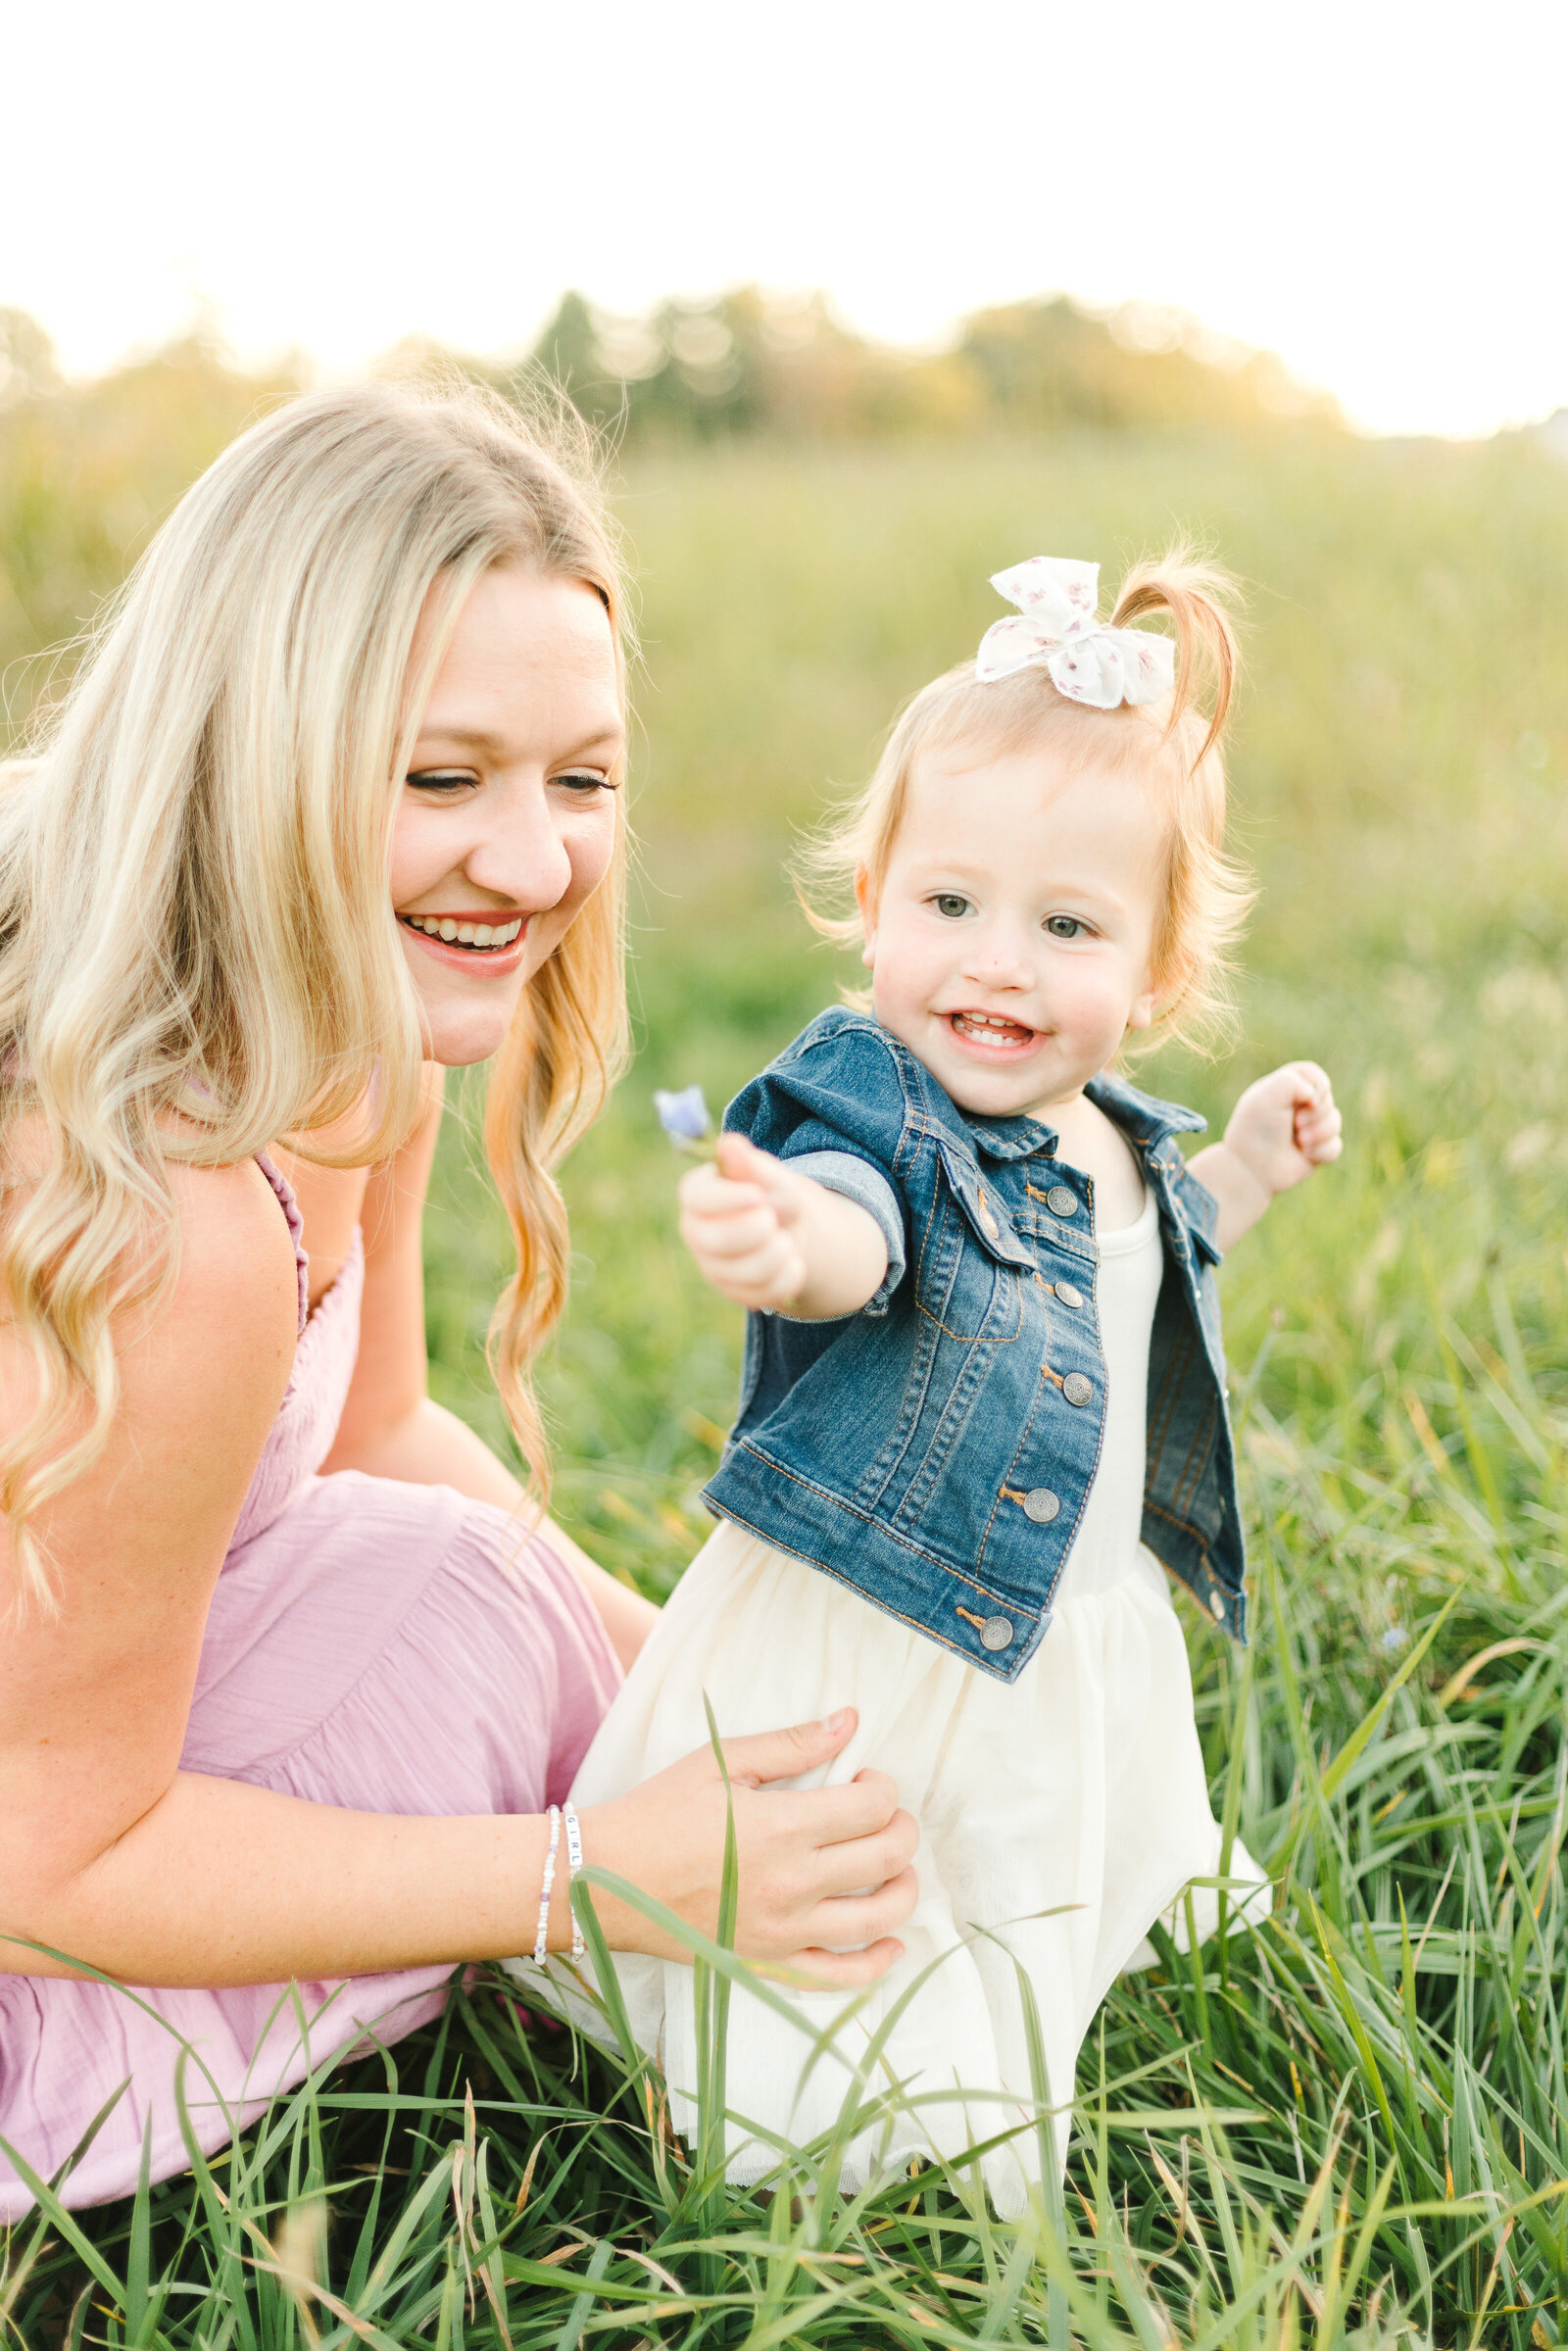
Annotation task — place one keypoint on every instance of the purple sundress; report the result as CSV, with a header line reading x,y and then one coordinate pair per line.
x,y
380,1646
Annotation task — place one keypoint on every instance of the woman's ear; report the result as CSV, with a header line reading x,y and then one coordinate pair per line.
x,y
865,900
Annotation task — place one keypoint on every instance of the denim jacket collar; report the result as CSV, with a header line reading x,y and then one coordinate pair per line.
x,y
1149,1124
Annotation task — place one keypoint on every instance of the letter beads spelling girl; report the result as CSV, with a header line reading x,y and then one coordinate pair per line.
x,y
983,1406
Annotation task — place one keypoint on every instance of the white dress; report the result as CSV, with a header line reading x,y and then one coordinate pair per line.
x,y
1060,1815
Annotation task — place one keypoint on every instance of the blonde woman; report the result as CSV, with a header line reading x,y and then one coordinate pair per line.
x,y
285,1682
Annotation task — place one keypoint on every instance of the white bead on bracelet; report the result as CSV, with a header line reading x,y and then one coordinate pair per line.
x,y
573,1865
541,1941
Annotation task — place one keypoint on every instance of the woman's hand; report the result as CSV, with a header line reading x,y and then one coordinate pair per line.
x,y
1281,1129
778,1241
824,1872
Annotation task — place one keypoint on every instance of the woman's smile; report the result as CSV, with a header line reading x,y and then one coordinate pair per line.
x,y
488,943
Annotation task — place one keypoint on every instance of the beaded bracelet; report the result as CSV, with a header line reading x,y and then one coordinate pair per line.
x,y
573,1865
541,1941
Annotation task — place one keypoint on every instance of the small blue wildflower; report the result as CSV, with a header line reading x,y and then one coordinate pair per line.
x,y
684,1117
1395,1640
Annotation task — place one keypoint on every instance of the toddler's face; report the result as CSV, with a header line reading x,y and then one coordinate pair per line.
x,y
1010,945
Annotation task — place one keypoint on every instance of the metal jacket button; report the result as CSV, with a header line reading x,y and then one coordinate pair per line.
x,y
995,1633
1060,1201
1076,1389
1069,1295
1042,1505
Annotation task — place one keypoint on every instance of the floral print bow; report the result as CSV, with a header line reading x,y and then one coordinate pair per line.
x,y
1057,630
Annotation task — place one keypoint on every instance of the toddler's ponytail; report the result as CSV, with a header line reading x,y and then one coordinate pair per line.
x,y
1208,660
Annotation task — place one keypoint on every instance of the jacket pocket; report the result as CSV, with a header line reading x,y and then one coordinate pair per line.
x,y
970,1265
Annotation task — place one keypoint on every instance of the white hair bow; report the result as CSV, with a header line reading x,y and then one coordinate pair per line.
x,y
1057,630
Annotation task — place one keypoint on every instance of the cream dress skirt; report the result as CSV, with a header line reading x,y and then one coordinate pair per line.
x,y
1061,1816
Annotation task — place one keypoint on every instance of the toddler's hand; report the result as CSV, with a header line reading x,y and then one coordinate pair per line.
x,y
1285,1125
738,1219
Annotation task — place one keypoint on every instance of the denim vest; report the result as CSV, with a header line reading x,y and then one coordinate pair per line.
x,y
936,1450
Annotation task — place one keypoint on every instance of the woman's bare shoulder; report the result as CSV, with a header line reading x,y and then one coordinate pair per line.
x,y
235,1296
230,1319
202,1368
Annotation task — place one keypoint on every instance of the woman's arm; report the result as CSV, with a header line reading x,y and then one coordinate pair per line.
x,y
110,1853
392,1428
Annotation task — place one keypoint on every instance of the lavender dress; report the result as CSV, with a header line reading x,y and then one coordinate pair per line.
x,y
386,1648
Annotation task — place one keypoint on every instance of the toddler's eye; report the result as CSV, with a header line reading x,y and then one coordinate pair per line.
x,y
950,905
1065,926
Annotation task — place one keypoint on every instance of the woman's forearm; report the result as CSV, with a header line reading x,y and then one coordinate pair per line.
x,y
222,1883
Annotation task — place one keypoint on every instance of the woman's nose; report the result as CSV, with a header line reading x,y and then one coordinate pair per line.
x,y
519,854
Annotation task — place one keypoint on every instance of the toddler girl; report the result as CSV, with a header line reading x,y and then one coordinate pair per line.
x,y
983,1405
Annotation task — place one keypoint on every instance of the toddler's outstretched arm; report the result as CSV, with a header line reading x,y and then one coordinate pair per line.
x,y
778,1241
1282,1128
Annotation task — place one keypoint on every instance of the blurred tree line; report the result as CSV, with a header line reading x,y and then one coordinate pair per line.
x,y
87,469
753,362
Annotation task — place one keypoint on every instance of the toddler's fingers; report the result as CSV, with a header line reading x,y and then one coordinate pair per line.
x,y
739,1161
730,1236
704,1192
1312,1084
766,1282
1316,1130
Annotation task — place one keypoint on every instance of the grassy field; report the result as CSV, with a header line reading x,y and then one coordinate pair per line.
x,y
1352,2128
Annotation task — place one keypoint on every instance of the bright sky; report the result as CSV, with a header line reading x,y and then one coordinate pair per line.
x,y
1374,189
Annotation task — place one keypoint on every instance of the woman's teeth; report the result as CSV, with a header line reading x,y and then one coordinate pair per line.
x,y
992,1029
465,934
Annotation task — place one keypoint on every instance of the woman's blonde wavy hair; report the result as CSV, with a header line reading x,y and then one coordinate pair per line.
x,y
1174,745
198,952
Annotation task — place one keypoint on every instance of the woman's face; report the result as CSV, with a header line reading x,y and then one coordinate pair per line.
x,y
506,825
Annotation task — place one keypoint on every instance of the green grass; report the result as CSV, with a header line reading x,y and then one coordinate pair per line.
x,y
1350,2127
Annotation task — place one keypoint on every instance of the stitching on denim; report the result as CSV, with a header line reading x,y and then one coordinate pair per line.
x,y
1190,1476
926,1558
1162,1407
951,1426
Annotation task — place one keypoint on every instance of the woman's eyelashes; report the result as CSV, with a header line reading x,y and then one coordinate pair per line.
x,y
583,780
440,779
580,783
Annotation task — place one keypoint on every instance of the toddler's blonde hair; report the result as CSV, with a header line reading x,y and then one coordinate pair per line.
x,y
198,950
1174,745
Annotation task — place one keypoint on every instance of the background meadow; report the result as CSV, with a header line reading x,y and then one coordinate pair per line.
x,y
1353,2125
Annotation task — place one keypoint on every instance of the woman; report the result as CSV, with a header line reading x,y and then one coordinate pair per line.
x,y
334,803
